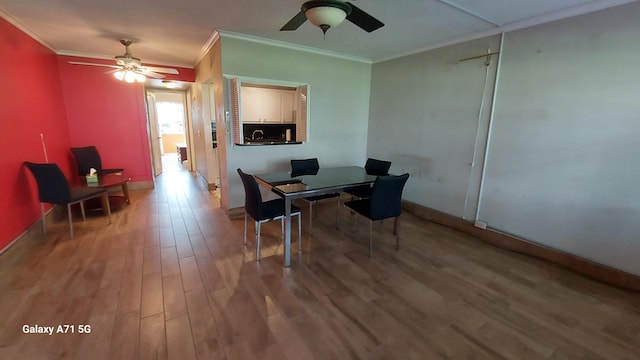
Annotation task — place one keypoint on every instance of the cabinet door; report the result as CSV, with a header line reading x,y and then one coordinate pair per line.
x,y
270,106
250,103
287,107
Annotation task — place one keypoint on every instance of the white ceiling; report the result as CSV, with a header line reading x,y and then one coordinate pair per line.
x,y
175,33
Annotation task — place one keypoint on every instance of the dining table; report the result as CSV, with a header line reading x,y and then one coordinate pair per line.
x,y
291,186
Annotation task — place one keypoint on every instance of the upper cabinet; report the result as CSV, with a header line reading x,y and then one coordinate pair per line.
x,y
262,104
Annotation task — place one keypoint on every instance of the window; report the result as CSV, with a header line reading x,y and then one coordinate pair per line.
x,y
268,111
170,117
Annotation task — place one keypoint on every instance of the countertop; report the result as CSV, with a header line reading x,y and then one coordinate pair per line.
x,y
260,143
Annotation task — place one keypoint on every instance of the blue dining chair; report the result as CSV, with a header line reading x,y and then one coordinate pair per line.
x,y
88,157
372,167
263,211
54,188
384,202
311,167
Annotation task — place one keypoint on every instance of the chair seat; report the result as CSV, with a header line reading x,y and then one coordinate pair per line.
x,y
275,208
322,197
109,171
363,191
361,206
84,193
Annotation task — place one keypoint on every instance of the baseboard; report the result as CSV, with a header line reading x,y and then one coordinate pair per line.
x,y
140,185
236,213
581,265
33,232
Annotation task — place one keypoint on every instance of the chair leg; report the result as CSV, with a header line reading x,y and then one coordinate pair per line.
x,y
44,222
257,240
370,238
84,216
282,228
344,221
395,232
310,217
337,211
104,199
245,230
70,221
300,230
108,206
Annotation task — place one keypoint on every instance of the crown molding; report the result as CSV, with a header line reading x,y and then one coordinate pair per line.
x,y
15,22
286,45
215,36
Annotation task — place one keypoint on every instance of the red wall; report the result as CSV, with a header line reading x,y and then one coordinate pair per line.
x,y
109,114
31,104
71,105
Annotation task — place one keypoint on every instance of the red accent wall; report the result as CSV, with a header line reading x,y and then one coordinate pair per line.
x,y
109,114
71,105
31,104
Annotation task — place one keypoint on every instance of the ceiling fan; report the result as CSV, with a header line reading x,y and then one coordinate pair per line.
x,y
329,13
130,68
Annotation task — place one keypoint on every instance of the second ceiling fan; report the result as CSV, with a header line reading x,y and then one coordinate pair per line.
x,y
129,68
329,13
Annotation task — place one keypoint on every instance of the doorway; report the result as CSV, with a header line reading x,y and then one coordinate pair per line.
x,y
168,125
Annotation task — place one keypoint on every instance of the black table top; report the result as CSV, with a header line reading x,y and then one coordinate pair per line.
x,y
326,179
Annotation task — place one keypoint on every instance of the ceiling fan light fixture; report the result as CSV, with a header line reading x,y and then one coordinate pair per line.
x,y
169,84
326,14
119,75
129,76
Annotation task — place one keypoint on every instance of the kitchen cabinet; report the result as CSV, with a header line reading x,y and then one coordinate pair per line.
x,y
267,105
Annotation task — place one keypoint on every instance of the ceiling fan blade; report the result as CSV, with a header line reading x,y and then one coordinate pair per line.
x,y
151,74
295,22
160,69
363,20
93,64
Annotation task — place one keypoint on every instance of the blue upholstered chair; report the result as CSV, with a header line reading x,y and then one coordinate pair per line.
x,y
385,201
263,211
54,188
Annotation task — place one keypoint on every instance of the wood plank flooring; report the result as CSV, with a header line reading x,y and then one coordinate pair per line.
x,y
170,279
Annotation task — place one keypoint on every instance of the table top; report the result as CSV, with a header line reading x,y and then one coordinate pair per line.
x,y
108,180
325,180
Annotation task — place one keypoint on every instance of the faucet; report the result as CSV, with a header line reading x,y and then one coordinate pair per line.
x,y
253,134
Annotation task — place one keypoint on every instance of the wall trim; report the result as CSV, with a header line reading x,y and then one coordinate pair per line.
x,y
576,263
236,213
264,41
141,185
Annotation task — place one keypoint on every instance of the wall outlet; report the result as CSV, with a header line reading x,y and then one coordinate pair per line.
x,y
480,224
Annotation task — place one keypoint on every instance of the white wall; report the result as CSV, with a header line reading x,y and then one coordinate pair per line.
x,y
562,166
338,115
425,119
563,163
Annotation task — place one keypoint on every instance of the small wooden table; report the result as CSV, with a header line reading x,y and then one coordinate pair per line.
x,y
181,149
109,181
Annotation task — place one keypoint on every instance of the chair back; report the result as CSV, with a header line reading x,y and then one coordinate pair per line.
x,y
53,186
377,167
386,196
304,167
86,158
252,195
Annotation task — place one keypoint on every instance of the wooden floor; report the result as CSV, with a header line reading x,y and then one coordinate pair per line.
x,y
170,279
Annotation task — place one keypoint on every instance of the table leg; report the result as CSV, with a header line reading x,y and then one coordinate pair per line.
x,y
125,191
287,231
